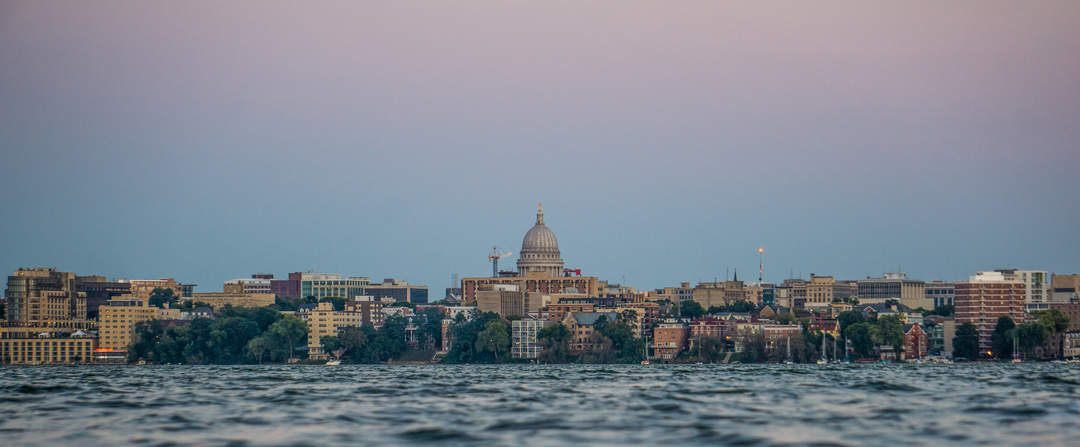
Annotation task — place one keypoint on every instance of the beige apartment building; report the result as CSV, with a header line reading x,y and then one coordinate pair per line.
x,y
44,297
218,300
721,293
324,321
118,319
821,290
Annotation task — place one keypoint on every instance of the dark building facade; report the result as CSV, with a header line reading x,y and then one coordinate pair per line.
x,y
98,290
286,287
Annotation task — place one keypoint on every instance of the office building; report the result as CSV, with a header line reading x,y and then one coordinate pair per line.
x,y
940,293
894,286
322,285
822,290
400,291
143,288
287,288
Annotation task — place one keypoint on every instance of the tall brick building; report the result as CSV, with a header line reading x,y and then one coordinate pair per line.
x,y
986,297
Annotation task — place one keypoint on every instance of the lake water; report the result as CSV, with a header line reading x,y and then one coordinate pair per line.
x,y
963,404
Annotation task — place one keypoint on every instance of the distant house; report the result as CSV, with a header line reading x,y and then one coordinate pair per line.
x,y
916,342
582,325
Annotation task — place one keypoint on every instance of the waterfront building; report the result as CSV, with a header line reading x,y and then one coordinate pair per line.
x,y
523,337
258,283
324,321
218,300
669,338
98,290
939,293
985,297
894,286
143,288
44,297
400,291
1070,348
118,319
322,285
916,342
940,331
1065,289
821,290
708,327
582,326
42,346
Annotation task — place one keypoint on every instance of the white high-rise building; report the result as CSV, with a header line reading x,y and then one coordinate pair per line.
x,y
1036,287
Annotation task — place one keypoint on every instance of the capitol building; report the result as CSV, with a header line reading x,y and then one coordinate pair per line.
x,y
540,250
539,268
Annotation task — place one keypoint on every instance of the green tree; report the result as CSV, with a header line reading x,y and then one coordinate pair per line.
x,y
285,334
495,339
1055,321
554,342
709,349
465,331
889,330
1029,336
966,342
626,347
403,304
1001,341
849,318
691,309
159,297
945,310
861,336
258,347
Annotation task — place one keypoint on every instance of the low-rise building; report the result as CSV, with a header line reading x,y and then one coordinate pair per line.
x,y
218,300
324,321
143,288
916,342
894,286
669,338
940,293
582,325
1065,289
258,283
42,346
398,290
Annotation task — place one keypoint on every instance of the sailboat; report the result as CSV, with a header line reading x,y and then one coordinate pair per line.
x,y
1016,350
823,360
847,351
646,361
788,361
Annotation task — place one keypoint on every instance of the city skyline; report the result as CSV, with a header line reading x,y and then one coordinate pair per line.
x,y
206,142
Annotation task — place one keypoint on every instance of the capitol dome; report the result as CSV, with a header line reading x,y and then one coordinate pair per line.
x,y
540,250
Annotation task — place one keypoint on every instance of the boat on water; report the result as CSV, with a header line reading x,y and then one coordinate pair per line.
x,y
646,349
333,362
1016,352
823,360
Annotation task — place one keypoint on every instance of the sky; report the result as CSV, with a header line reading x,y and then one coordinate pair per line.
x,y
208,140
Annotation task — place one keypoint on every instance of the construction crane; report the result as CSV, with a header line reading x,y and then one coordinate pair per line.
x,y
567,272
493,258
